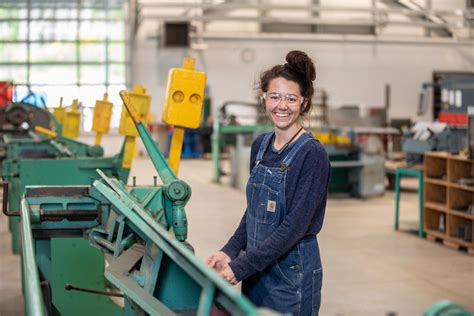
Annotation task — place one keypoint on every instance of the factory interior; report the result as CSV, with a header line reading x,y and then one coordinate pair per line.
x,y
126,132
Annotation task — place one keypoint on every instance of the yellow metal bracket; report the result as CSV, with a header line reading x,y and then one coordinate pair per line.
x,y
72,121
183,105
60,112
102,116
137,113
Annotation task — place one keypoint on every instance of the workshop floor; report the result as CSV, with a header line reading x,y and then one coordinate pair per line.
x,y
369,269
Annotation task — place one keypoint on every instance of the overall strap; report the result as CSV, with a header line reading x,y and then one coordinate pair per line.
x,y
300,142
263,147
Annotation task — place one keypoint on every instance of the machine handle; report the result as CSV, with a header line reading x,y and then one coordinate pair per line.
x,y
164,170
70,287
5,202
45,131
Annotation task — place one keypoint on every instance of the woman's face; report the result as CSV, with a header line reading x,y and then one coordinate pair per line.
x,y
283,103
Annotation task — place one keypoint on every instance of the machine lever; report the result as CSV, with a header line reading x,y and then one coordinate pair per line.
x,y
5,202
70,287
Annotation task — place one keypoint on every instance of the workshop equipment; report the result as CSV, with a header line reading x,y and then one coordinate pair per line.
x,y
452,94
41,160
72,121
470,131
457,93
425,137
18,119
6,93
59,112
127,128
102,115
35,158
21,117
142,231
183,105
446,308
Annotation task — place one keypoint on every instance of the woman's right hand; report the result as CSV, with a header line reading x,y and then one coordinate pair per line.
x,y
218,260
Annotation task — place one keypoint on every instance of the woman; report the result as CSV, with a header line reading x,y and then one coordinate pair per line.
x,y
280,265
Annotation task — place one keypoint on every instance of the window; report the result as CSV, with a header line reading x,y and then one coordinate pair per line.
x,y
69,49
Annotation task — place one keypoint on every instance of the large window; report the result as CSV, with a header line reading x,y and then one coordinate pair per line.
x,y
70,49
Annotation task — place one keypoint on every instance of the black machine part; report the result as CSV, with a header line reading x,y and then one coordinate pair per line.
x,y
18,113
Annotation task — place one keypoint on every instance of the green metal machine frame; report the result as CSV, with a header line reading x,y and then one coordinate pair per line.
x,y
39,160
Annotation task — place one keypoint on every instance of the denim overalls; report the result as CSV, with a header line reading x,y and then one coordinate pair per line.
x,y
292,284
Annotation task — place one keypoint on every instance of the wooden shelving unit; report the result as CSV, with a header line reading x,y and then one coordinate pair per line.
x,y
448,205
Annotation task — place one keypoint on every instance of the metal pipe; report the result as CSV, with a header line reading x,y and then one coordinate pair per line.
x,y
34,303
316,8
299,21
70,287
5,202
324,38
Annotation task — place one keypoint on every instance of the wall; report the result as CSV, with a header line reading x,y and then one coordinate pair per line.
x,y
352,72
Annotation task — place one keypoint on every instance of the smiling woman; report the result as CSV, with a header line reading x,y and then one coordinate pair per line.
x,y
274,251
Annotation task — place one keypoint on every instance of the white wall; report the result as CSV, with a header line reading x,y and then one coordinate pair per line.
x,y
351,72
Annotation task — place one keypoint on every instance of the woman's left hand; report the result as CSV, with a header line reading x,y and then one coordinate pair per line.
x,y
228,274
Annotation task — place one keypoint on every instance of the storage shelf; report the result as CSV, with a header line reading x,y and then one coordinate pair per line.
x,y
437,154
435,233
461,214
436,206
441,198
462,242
461,187
436,181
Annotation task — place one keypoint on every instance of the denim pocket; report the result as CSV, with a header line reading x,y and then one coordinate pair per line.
x,y
262,203
289,266
316,290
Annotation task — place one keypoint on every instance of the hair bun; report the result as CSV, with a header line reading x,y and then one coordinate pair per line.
x,y
299,62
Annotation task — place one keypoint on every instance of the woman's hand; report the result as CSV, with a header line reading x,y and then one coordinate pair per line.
x,y
218,260
228,274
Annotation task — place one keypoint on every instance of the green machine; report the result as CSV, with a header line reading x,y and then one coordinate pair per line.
x,y
35,159
65,162
40,160
17,119
141,230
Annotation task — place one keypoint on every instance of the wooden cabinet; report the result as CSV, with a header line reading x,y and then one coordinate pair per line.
x,y
448,205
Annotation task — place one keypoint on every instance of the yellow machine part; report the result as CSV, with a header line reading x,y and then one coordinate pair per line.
x,y
331,138
45,131
184,95
60,112
324,138
141,102
72,122
183,105
102,116
343,140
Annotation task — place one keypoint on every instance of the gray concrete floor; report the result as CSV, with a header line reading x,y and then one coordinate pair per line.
x,y
369,269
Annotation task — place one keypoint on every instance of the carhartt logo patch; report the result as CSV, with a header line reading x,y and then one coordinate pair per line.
x,y
271,206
